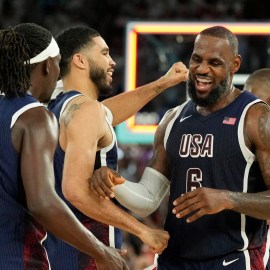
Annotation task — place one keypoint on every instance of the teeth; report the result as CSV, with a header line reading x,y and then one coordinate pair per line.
x,y
204,80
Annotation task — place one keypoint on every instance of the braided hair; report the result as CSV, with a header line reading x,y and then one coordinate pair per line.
x,y
17,46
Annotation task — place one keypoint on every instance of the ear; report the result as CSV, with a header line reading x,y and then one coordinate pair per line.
x,y
268,100
46,65
236,64
79,61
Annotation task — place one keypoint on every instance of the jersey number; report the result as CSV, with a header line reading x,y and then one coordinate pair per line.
x,y
193,179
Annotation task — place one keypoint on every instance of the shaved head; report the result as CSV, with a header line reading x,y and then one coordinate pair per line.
x,y
258,83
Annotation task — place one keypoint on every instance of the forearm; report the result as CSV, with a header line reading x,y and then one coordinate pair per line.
x,y
58,219
143,197
126,104
256,205
107,212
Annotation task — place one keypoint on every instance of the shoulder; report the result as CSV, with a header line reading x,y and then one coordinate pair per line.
x,y
258,112
83,103
84,106
37,118
161,129
83,113
35,126
169,115
257,124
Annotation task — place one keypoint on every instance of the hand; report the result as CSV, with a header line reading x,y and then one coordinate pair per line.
x,y
103,180
176,74
200,202
112,260
157,240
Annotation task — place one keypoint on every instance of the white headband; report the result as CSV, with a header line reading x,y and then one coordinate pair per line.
x,y
51,51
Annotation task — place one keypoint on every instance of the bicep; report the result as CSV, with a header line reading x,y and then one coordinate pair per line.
x,y
257,127
82,136
38,145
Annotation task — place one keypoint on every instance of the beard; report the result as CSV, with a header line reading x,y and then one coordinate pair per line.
x,y
213,96
99,77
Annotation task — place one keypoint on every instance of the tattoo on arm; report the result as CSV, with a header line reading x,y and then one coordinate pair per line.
x,y
69,114
264,136
159,90
264,127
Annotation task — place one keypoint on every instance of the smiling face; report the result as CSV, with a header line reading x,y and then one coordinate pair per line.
x,y
211,68
101,65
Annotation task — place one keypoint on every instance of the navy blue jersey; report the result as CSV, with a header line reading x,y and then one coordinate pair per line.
x,y
21,235
62,255
210,151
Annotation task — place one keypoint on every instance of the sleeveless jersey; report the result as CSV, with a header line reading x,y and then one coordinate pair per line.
x,y
21,235
210,151
62,255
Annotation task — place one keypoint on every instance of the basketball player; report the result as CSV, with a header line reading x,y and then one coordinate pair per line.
x,y
29,67
212,152
258,83
87,141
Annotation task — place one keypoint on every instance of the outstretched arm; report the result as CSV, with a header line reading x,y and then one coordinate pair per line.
x,y
35,135
124,105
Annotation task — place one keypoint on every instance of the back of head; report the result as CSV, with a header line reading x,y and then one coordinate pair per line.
x,y
17,47
71,41
224,33
258,83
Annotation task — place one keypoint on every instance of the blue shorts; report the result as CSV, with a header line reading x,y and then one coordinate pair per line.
x,y
243,260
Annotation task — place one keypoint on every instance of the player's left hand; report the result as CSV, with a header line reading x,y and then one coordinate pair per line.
x,y
200,202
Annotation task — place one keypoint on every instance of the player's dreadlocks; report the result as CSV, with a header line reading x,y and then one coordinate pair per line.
x,y
17,47
14,73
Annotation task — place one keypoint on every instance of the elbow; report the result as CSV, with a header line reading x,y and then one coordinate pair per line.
x,y
72,196
145,212
39,208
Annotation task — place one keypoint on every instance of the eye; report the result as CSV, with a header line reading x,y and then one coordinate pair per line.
x,y
195,59
215,64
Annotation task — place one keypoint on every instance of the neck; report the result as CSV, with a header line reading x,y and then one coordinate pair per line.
x,y
80,83
228,97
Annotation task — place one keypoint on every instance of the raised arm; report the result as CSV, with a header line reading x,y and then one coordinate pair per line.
x,y
35,136
127,104
85,130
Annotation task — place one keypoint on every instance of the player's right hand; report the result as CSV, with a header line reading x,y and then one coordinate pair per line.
x,y
103,180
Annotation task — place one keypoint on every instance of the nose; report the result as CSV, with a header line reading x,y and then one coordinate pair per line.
x,y
203,67
112,63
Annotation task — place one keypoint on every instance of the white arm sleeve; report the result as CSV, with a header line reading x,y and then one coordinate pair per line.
x,y
143,198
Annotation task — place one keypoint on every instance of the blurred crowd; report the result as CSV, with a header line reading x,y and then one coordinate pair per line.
x,y
110,18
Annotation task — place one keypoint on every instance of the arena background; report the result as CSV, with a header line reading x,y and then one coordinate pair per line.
x,y
155,55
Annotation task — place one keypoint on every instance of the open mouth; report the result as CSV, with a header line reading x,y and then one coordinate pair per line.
x,y
203,84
